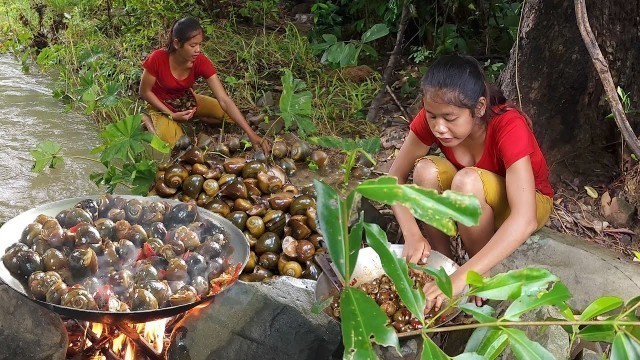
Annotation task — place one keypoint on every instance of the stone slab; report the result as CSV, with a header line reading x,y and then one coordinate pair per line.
x,y
29,331
588,270
271,320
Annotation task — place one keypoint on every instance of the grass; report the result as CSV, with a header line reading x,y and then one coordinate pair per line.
x,y
88,60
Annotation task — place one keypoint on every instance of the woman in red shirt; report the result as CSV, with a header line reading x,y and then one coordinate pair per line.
x,y
489,151
171,72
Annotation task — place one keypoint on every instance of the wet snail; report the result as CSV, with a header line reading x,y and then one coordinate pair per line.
x,y
154,255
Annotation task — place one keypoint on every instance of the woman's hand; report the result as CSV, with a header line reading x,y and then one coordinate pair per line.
x,y
183,115
416,249
260,143
434,295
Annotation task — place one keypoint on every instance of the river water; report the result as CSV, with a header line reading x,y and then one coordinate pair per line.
x,y
28,116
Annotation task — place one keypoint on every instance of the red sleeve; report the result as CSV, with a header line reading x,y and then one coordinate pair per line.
x,y
514,138
152,62
204,67
420,127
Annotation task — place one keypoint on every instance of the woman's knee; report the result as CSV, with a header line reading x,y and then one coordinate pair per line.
x,y
467,181
425,174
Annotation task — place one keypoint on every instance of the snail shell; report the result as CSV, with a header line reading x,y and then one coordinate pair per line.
x,y
174,175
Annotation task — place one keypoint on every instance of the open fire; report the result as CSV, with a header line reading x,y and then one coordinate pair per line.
x,y
119,342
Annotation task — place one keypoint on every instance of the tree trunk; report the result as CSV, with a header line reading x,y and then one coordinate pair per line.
x,y
559,87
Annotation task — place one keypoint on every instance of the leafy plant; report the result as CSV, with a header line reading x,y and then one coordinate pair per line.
x,y
295,104
625,99
351,148
345,53
607,319
123,154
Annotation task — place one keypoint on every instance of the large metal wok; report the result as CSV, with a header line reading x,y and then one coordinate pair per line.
x,y
12,230
368,268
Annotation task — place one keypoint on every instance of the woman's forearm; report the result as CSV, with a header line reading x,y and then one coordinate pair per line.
x,y
407,222
152,99
236,116
513,233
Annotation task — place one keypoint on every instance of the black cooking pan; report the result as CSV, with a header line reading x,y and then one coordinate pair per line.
x,y
11,231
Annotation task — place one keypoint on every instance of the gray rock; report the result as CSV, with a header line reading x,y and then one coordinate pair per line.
x,y
265,100
410,349
590,355
589,270
27,330
552,338
271,320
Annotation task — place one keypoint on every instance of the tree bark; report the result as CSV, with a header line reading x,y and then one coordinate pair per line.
x,y
559,86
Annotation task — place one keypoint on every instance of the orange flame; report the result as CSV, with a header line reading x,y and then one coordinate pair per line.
x,y
118,343
153,332
97,328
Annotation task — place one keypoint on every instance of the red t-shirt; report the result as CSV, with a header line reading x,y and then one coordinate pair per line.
x,y
508,140
167,87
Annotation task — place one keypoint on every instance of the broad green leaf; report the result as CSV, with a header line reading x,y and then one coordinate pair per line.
x,y
123,139
483,314
110,97
601,306
474,279
559,293
625,347
375,32
597,333
440,211
591,192
333,216
370,50
488,342
329,38
142,176
370,145
295,103
47,153
349,55
515,283
334,53
470,356
396,269
160,145
362,321
443,281
431,351
526,349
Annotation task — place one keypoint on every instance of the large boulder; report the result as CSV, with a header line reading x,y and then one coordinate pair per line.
x,y
29,331
270,320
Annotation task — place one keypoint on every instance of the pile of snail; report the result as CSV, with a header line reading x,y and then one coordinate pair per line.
x,y
277,218
383,292
185,102
114,254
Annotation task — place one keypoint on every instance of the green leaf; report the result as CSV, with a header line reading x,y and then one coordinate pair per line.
x,y
375,32
333,216
625,347
349,55
123,139
443,281
110,97
319,306
488,342
47,153
440,211
475,279
558,294
470,356
515,283
524,348
483,314
597,333
329,38
160,145
431,351
362,321
369,50
601,306
396,269
141,176
334,142
369,145
295,103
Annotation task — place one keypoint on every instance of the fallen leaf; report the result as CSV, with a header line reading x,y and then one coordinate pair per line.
x,y
591,192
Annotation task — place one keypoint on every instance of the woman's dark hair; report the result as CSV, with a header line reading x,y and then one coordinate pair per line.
x,y
183,30
460,81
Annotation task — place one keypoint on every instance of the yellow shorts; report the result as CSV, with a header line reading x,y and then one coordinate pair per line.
x,y
495,191
170,130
